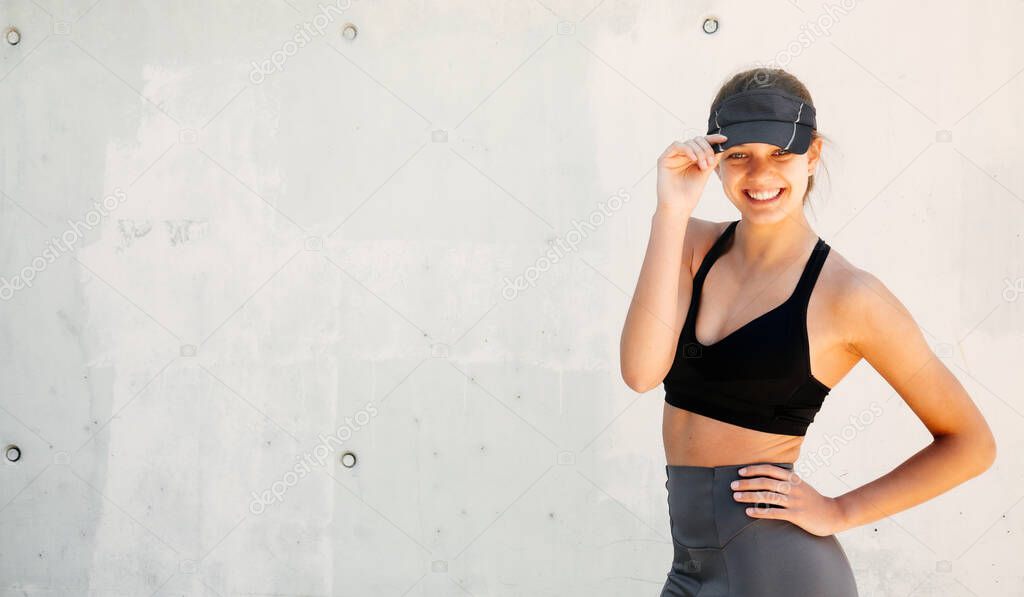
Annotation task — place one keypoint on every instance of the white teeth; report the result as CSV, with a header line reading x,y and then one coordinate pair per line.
x,y
763,195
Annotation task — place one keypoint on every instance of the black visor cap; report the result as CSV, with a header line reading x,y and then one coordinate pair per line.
x,y
763,115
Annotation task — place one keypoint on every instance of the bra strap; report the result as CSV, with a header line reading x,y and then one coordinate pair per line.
x,y
810,274
705,265
713,254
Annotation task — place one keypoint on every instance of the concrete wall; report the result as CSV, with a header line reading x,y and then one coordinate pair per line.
x,y
236,244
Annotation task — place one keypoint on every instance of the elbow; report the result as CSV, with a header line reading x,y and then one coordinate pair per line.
x,y
987,452
977,449
632,380
640,384
641,370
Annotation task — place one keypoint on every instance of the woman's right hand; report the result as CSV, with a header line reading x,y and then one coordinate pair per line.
x,y
683,170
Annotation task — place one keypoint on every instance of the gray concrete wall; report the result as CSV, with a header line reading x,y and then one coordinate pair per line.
x,y
236,244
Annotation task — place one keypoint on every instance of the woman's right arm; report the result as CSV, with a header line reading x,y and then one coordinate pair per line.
x,y
662,296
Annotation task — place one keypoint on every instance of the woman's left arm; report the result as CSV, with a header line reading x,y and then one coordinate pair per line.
x,y
884,333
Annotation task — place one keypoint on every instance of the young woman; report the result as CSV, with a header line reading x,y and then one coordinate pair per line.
x,y
749,324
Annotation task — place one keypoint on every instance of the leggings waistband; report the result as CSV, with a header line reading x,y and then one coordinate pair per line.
x,y
688,469
701,507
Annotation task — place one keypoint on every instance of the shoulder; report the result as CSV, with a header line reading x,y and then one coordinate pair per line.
x,y
700,235
864,308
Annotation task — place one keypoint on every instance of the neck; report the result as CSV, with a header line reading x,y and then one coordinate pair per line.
x,y
772,243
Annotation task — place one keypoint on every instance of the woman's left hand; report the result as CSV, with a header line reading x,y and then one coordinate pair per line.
x,y
762,484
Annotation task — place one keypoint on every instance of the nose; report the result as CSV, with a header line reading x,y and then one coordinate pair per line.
x,y
761,169
759,162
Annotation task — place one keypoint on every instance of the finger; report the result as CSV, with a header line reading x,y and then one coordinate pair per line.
x,y
771,497
683,152
690,152
672,149
679,149
776,513
762,483
715,140
701,152
709,153
761,497
718,158
766,470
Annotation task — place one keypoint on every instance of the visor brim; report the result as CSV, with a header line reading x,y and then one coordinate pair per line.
x,y
793,138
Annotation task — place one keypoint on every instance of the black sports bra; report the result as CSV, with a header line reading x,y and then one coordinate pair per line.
x,y
759,376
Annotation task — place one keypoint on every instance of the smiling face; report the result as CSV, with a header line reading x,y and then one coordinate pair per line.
x,y
765,182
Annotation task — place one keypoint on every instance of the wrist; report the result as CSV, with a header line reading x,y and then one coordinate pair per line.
x,y
672,212
841,514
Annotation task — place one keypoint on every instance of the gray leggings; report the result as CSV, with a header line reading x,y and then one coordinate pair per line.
x,y
722,551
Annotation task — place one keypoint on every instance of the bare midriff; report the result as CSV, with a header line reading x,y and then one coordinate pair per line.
x,y
695,440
